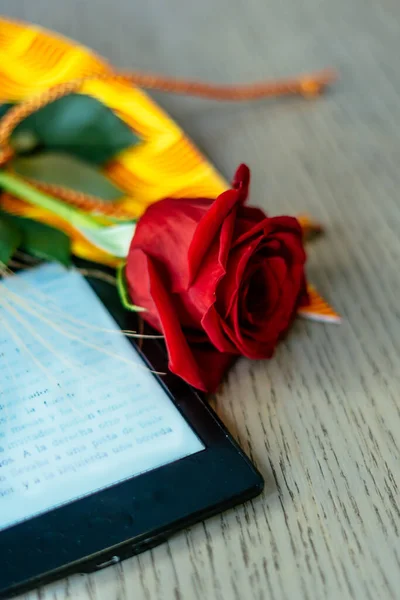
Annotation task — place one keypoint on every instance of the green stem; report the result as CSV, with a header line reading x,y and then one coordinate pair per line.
x,y
123,291
24,191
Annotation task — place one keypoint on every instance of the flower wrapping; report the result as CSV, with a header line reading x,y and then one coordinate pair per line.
x,y
94,168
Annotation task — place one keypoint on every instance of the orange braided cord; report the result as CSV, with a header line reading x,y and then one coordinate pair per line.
x,y
80,200
19,112
307,85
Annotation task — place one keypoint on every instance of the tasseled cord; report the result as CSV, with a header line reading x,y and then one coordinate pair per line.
x,y
308,86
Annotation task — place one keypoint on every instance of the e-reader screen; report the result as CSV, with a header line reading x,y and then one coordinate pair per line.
x,y
80,410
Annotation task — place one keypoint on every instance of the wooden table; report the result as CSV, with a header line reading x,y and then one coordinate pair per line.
x,y
321,420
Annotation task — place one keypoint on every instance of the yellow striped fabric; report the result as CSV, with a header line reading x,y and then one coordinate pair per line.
x,y
164,163
310,227
318,309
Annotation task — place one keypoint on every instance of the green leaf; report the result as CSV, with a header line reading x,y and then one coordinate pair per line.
x,y
43,241
79,125
10,239
19,188
4,108
114,239
67,171
122,288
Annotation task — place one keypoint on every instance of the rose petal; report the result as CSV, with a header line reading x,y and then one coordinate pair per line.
x,y
241,180
212,220
248,218
270,227
250,347
261,296
247,292
201,367
229,285
201,294
165,233
291,247
137,277
214,365
259,342
212,325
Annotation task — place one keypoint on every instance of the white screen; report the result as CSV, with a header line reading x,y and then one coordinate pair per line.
x,y
79,409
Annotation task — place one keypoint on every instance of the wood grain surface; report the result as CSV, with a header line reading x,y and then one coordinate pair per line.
x,y
321,420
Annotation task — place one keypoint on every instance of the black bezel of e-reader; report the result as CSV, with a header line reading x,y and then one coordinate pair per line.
x,y
136,514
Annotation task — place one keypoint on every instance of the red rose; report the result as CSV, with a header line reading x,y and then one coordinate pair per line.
x,y
219,279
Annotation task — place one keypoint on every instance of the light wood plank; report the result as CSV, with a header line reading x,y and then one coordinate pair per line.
x,y
321,419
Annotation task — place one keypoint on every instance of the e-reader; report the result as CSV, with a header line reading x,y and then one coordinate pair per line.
x,y
103,452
